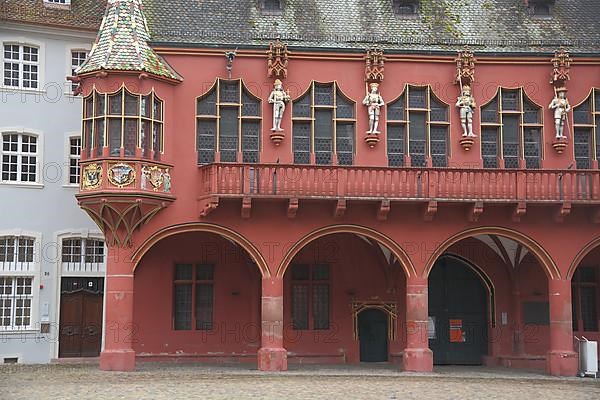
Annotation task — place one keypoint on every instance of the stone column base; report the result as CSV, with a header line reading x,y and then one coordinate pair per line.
x,y
117,360
417,360
272,359
562,363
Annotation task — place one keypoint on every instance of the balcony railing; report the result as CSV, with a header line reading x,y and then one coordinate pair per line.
x,y
364,183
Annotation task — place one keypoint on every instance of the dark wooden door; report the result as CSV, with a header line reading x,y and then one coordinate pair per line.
x,y
80,318
373,335
457,304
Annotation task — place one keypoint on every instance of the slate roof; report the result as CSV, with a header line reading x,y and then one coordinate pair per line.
x,y
83,14
499,26
122,43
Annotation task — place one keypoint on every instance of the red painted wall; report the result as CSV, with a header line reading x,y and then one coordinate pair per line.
x,y
236,315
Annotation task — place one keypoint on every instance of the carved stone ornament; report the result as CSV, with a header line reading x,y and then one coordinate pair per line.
x,y
374,65
121,175
277,59
91,176
278,98
465,67
156,177
561,65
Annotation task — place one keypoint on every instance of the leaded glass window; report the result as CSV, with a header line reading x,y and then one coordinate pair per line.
x,y
228,121
310,296
586,124
417,125
193,297
123,122
323,125
511,131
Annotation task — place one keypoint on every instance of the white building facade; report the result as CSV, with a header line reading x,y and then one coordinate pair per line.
x,y
52,256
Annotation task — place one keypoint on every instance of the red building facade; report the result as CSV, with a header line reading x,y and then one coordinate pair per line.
x,y
322,243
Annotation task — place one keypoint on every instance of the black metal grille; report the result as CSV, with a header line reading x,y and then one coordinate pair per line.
x,y
395,145
206,133
417,143
510,100
532,148
323,136
489,147
320,302
582,114
207,105
72,284
417,98
439,146
582,147
301,107
345,108
489,113
229,92
301,142
323,95
510,139
300,307
439,111
395,110
250,105
345,143
531,113
250,141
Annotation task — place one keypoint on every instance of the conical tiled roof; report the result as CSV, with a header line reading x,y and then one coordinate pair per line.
x,y
122,43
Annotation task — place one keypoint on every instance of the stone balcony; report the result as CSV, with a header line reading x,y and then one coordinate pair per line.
x,y
518,187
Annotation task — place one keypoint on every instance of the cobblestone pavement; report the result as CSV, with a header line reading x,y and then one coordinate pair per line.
x,y
178,381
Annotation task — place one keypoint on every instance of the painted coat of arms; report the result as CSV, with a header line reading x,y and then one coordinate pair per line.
x,y
91,176
121,175
156,177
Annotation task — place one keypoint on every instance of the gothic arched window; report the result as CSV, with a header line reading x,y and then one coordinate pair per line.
x,y
228,122
511,131
323,125
417,126
586,135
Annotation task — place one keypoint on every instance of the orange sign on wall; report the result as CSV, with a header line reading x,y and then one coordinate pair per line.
x,y
456,332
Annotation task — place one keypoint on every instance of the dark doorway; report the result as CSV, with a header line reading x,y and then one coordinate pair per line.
x,y
81,303
373,335
457,305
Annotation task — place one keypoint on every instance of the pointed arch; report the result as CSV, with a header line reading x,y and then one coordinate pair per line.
x,y
227,233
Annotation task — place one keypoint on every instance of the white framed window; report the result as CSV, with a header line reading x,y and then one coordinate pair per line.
x,y
19,277
19,157
74,157
21,64
77,59
58,2
82,255
16,302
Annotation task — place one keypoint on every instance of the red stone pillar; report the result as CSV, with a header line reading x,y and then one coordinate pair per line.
x,y
417,356
518,334
117,353
561,359
272,356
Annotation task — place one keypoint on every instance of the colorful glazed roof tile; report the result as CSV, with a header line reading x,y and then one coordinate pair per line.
x,y
122,43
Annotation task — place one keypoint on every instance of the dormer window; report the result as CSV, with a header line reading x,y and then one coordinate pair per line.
x,y
540,8
405,7
58,3
271,6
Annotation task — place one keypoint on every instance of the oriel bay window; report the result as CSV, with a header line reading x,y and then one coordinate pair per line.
x,y
128,125
310,296
193,294
417,126
323,126
511,131
586,135
228,119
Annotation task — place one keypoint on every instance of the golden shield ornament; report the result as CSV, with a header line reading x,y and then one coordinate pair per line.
x,y
91,176
121,175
